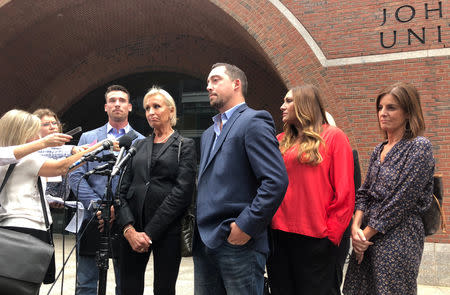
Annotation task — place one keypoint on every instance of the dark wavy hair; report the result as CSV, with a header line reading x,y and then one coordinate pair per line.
x,y
408,98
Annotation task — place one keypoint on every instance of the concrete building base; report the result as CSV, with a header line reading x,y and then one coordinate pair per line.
x,y
435,269
435,266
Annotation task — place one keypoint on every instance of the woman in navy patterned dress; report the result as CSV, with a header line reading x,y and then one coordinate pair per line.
x,y
387,230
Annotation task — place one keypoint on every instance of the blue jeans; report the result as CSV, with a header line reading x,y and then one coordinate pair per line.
x,y
229,269
87,276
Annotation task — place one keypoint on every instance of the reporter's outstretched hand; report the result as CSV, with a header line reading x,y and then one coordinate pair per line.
x,y
56,139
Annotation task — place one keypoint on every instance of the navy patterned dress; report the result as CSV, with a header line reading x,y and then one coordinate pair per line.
x,y
394,195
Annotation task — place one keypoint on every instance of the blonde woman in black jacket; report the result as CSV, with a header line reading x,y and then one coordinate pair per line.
x,y
156,189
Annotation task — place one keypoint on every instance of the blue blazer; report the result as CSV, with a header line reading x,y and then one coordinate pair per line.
x,y
242,180
95,186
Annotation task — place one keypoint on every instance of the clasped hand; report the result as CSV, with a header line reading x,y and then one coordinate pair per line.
x,y
139,241
360,244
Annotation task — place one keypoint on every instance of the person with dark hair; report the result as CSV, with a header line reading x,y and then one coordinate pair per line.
x,y
157,188
241,183
91,190
387,231
116,88
319,201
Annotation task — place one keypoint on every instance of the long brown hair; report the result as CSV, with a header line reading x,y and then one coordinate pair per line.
x,y
310,114
408,98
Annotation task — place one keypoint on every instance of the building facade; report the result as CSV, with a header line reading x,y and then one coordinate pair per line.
x,y
53,53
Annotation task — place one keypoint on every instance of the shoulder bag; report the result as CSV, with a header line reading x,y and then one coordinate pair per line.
x,y
434,219
187,221
24,259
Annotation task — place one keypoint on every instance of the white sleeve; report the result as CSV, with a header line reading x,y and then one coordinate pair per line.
x,y
33,162
7,155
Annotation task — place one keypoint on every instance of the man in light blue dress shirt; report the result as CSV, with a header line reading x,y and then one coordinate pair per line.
x,y
90,190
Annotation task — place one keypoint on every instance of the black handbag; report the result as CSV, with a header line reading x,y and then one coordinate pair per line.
x,y
187,222
24,259
434,219
267,290
187,232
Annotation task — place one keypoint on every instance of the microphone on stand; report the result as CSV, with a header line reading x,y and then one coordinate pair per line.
x,y
123,162
124,144
98,170
132,134
109,157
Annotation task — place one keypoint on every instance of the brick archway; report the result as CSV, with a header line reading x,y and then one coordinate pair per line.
x,y
68,48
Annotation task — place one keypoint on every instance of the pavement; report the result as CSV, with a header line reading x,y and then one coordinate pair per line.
x,y
185,282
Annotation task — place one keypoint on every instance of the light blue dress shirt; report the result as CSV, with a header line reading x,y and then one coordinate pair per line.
x,y
224,117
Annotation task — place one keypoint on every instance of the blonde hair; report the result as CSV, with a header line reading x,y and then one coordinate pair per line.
x,y
168,99
310,114
17,127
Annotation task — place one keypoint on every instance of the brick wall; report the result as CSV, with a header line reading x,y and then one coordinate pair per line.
x,y
343,29
350,28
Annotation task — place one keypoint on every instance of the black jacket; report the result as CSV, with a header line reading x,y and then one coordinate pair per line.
x,y
169,184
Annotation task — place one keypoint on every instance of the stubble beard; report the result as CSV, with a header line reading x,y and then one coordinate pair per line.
x,y
218,103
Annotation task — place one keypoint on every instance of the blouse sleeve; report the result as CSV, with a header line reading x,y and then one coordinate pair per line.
x,y
128,187
7,155
33,163
414,182
362,196
125,215
340,210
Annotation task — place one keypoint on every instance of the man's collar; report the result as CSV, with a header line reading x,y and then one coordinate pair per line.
x,y
228,113
109,127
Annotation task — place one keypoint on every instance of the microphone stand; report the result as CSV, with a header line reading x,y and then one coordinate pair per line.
x,y
103,253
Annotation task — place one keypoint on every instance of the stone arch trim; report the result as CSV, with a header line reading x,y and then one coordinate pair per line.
x,y
357,59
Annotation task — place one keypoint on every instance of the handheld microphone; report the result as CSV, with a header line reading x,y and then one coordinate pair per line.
x,y
105,146
123,162
124,144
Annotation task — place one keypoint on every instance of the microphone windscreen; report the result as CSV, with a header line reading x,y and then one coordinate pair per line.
x,y
133,135
125,141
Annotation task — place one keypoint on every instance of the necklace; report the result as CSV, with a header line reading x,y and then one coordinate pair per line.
x,y
164,139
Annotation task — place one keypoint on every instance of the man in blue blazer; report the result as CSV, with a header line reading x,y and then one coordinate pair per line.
x,y
242,181
117,107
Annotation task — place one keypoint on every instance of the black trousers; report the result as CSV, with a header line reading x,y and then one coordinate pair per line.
x,y
301,265
166,264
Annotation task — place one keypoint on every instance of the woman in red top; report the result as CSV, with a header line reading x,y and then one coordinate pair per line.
x,y
319,201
